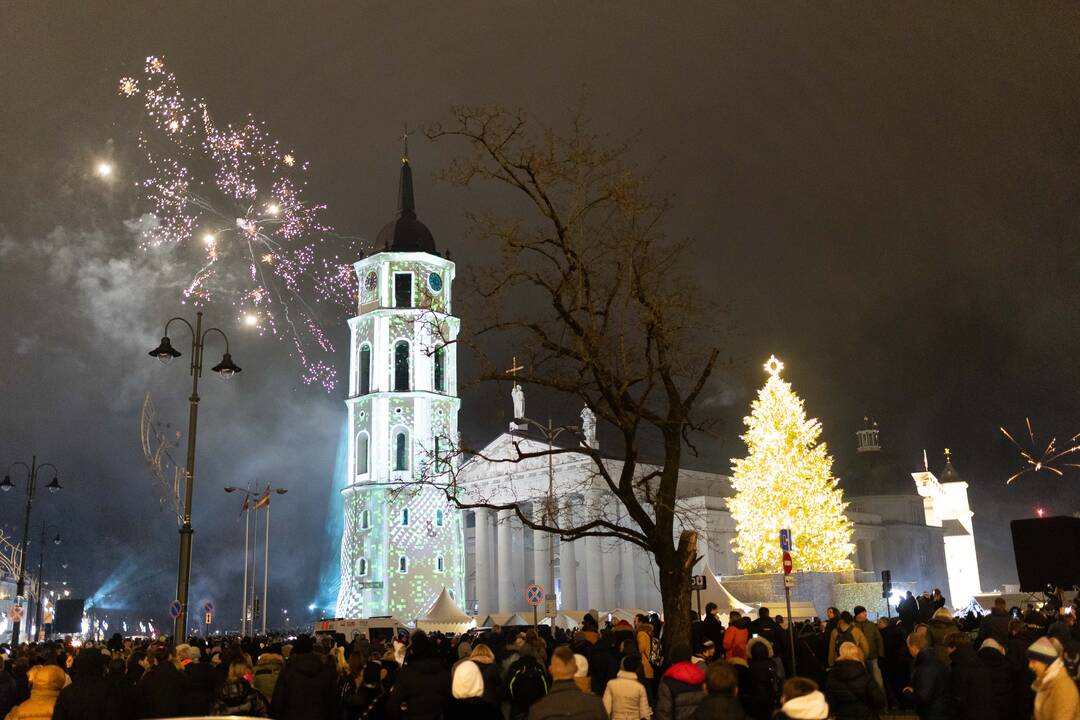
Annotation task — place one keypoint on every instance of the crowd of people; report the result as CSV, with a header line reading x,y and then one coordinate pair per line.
x,y
1006,665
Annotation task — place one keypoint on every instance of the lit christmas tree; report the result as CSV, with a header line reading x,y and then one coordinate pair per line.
x,y
786,481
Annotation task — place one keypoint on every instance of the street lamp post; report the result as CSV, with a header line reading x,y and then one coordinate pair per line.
x,y
40,613
32,471
550,434
259,497
226,368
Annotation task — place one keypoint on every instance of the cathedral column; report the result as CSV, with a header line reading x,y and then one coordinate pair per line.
x,y
504,551
594,567
541,557
626,594
568,563
482,561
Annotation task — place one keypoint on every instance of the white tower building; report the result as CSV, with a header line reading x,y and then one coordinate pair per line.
x,y
402,541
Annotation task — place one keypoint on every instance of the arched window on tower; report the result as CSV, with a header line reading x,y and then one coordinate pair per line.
x,y
361,566
403,564
440,564
401,451
361,453
439,518
365,369
404,517
401,366
365,519
440,369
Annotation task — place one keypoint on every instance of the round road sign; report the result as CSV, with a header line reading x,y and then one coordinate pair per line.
x,y
174,609
787,563
534,594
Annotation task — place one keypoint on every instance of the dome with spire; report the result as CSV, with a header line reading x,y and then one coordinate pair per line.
x,y
406,233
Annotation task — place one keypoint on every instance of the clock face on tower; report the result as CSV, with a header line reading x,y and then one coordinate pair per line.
x,y
434,281
371,282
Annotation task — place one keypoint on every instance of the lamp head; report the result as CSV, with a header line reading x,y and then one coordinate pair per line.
x,y
226,368
54,485
6,484
164,351
281,491
56,540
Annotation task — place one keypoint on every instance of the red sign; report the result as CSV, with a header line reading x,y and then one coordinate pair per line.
x,y
787,563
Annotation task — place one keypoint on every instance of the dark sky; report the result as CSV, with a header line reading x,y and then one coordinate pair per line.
x,y
883,193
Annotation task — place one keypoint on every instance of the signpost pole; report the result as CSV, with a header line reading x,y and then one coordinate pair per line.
x,y
789,582
535,623
790,625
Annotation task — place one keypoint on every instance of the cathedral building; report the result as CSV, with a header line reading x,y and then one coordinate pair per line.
x,y
402,541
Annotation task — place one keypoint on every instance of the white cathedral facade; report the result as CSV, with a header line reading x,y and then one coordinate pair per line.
x,y
404,541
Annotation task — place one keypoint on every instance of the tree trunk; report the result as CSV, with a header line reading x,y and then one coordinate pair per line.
x,y
675,569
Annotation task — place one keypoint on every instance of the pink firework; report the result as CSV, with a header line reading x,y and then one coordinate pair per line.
x,y
236,195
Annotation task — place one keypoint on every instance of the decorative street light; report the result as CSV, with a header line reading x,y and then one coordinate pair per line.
x,y
53,486
40,614
226,368
550,433
259,498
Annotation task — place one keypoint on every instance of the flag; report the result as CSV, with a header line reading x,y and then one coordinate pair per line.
x,y
264,499
244,508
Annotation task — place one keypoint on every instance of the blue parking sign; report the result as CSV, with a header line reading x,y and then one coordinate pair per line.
x,y
785,540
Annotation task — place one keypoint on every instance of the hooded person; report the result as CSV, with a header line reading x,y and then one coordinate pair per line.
x,y
581,675
992,656
526,681
46,681
423,684
681,689
306,688
765,679
484,658
467,695
267,670
970,680
801,700
1056,696
851,690
89,696
625,697
940,627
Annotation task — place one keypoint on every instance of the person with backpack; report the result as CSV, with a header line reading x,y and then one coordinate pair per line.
x,y
625,697
766,679
526,682
846,631
237,696
565,701
467,688
649,647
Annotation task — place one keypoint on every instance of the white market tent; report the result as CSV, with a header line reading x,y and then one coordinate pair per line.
x,y
717,593
445,616
627,614
504,620
561,620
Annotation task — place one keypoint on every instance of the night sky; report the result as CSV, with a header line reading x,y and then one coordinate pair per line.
x,y
884,195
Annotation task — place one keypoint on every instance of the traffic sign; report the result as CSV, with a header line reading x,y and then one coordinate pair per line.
x,y
174,609
15,612
697,582
785,540
787,563
208,607
789,582
534,594
209,618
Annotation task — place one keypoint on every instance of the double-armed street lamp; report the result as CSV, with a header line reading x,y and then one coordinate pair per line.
x,y
32,471
226,368
40,613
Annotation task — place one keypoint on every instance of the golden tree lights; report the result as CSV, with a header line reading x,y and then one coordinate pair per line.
x,y
786,481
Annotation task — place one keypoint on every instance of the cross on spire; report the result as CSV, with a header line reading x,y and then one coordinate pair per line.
x,y
514,369
405,133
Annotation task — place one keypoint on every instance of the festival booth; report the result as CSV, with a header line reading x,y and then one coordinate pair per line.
x,y
445,617
716,593
561,620
504,620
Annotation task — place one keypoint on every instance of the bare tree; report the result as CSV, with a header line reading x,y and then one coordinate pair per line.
x,y
602,307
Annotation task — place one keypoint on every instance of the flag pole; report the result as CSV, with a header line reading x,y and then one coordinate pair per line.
x,y
266,563
243,605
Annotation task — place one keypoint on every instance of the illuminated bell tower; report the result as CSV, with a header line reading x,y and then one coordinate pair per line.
x,y
402,540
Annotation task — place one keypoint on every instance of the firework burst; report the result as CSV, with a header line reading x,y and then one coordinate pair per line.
x,y
1049,459
233,193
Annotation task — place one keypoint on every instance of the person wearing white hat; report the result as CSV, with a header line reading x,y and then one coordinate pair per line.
x,y
1056,697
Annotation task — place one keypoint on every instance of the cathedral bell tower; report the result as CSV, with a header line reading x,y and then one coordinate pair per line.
x,y
402,541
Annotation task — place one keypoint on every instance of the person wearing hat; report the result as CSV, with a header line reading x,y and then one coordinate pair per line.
x,y
46,682
1056,697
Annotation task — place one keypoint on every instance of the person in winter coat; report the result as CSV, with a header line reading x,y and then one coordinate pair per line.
x,y
722,689
306,688
766,678
423,684
625,697
644,637
940,627
908,612
992,656
200,682
681,689
874,643
852,692
362,694
996,624
237,696
736,636
712,628
160,691
809,663
45,684
801,700
846,631
267,670
970,680
1056,696
467,691
929,689
485,660
89,696
565,701
7,689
